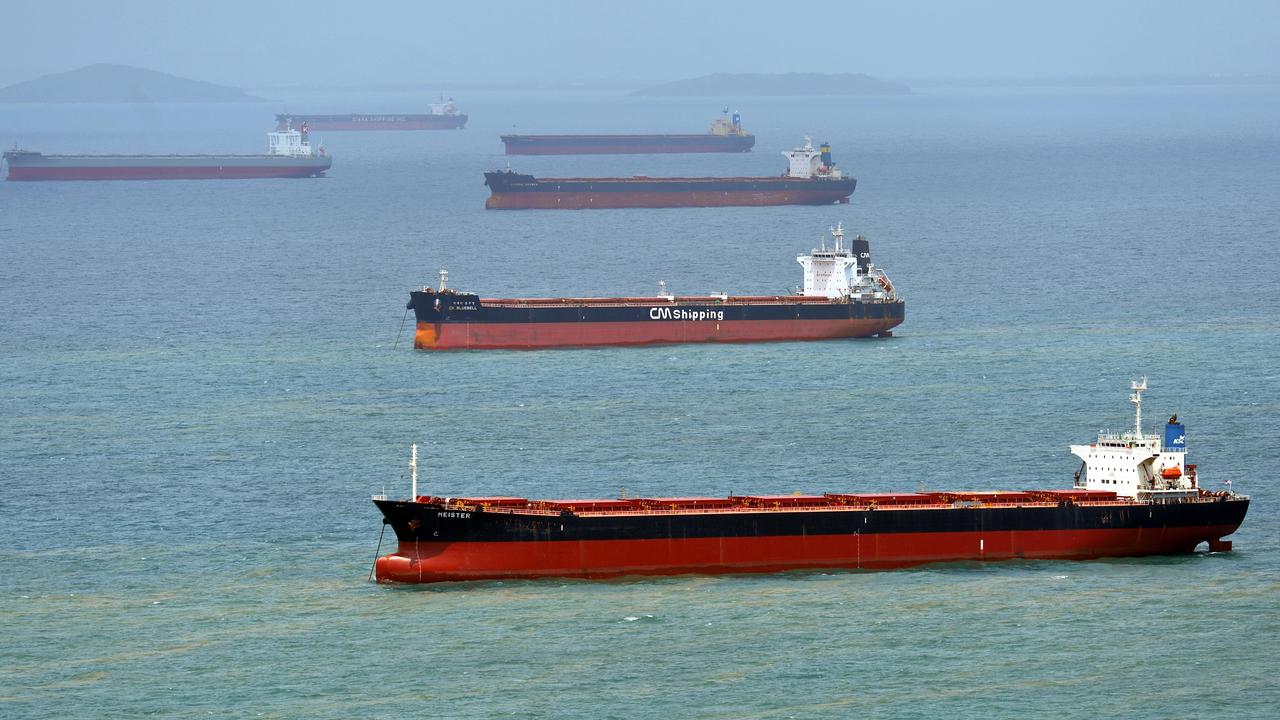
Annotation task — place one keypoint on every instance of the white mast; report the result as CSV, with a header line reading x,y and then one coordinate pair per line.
x,y
444,278
413,471
1135,397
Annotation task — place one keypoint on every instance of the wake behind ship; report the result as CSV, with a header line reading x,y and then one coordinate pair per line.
x,y
811,178
844,296
1134,495
726,135
289,154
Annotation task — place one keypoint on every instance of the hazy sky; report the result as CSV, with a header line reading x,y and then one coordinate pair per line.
x,y
352,42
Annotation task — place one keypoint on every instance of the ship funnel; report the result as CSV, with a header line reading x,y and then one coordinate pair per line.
x,y
862,251
825,149
1175,435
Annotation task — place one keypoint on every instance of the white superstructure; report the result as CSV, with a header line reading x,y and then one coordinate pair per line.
x,y
291,143
444,107
1145,466
842,272
727,125
805,162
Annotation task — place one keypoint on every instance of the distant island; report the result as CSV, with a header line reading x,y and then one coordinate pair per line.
x,y
753,84
105,83
1099,80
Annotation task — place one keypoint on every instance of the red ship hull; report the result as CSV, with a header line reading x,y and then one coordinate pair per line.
x,y
161,173
425,561
642,199
527,336
519,191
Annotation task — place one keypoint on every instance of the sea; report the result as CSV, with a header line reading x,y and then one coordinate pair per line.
x,y
202,383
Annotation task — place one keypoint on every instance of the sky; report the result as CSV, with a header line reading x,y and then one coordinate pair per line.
x,y
369,42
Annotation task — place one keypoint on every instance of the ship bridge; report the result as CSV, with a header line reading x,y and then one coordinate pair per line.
x,y
842,272
1146,466
725,126
291,143
804,163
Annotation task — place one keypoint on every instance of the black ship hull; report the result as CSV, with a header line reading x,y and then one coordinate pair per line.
x,y
459,540
465,321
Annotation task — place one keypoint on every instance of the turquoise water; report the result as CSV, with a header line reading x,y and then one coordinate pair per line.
x,y
202,383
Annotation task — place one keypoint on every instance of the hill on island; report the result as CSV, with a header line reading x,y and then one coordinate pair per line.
x,y
755,84
105,83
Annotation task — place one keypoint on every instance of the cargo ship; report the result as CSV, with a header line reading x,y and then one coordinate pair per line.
x,y
1134,495
289,154
726,135
844,296
811,178
444,115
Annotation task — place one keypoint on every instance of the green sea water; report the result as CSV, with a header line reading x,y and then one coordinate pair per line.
x,y
202,383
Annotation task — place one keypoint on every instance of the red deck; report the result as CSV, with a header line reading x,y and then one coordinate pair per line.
x,y
834,501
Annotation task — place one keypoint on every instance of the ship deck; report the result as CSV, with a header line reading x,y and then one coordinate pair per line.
x,y
830,502
366,116
622,136
167,156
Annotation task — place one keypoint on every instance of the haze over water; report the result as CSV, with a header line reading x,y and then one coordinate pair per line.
x,y
204,381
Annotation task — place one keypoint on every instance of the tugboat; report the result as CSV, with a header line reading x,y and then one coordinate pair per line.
x,y
811,178
1134,496
289,154
726,135
844,296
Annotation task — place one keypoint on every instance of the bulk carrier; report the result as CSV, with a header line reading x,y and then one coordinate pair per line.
x,y
1134,495
844,296
726,135
811,178
289,154
443,116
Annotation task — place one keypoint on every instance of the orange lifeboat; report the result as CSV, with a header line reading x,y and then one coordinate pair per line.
x,y
1172,473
